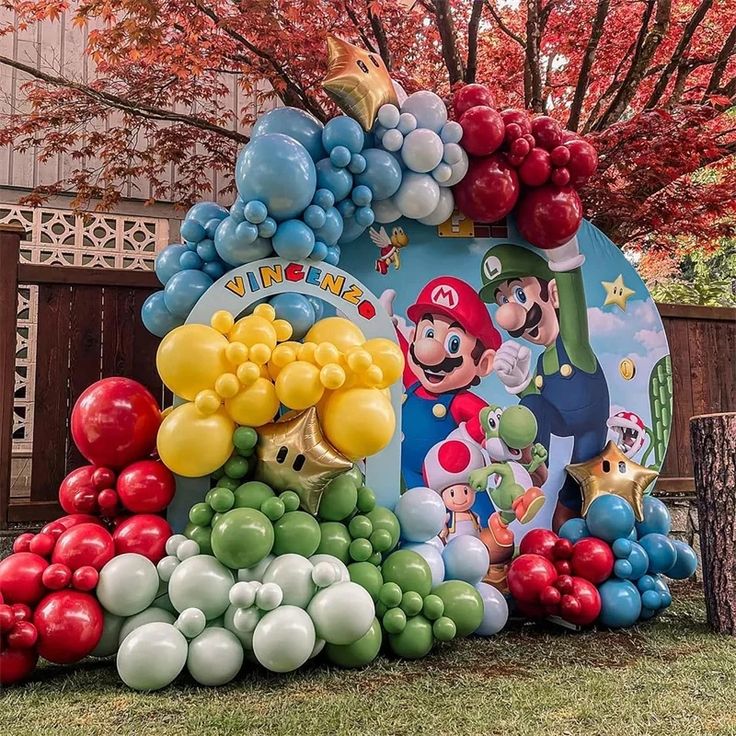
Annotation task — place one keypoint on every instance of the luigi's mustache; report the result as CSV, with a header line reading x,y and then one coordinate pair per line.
x,y
446,366
533,318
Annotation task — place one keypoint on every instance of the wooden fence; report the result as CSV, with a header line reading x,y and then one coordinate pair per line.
x,y
89,326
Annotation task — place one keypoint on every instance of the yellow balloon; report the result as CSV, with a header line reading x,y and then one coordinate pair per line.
x,y
247,373
255,405
388,357
252,330
306,351
358,360
190,358
358,421
332,376
326,353
298,385
227,385
207,402
341,332
237,353
192,444
222,321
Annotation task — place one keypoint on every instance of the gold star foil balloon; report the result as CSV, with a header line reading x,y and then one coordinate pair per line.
x,y
293,454
357,80
612,472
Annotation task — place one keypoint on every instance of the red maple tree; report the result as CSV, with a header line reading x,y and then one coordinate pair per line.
x,y
650,82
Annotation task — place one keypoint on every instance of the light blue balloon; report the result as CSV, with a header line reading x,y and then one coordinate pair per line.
x,y
338,181
156,317
346,208
351,231
192,231
466,558
610,517
428,108
364,216
433,557
318,305
343,131
661,551
340,157
295,123
203,212
451,132
333,255
167,262
656,518
686,563
297,310
267,228
206,250
294,240
190,260
235,243
574,530
650,599
278,171
357,164
324,198
407,123
331,231
665,596
237,210
421,514
319,251
211,226
255,212
215,269
314,216
620,604
183,291
495,610
361,195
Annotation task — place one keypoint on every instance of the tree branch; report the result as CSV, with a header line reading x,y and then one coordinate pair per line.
x,y
503,27
471,63
446,28
533,42
379,32
721,62
354,19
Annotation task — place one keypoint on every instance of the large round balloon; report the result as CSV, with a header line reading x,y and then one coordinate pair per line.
x,y
152,656
144,534
146,487
549,216
114,422
21,578
295,123
84,544
284,639
489,190
128,583
215,656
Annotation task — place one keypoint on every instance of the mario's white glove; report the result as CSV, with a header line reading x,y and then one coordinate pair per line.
x,y
565,257
512,364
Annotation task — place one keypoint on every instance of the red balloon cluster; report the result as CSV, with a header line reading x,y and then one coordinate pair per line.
x,y
530,164
18,636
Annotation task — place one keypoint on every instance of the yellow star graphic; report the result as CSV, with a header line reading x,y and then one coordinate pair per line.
x,y
612,472
617,292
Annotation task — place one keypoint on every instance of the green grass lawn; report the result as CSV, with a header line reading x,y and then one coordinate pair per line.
x,y
669,677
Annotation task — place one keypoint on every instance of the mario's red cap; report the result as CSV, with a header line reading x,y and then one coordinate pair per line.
x,y
457,300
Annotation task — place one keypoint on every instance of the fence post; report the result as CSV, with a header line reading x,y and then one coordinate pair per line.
x,y
10,237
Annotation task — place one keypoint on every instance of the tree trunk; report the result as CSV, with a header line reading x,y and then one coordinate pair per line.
x,y
713,444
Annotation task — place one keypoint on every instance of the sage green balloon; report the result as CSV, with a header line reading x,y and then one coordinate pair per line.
x,y
342,613
415,641
463,605
108,643
335,541
245,637
242,537
338,499
368,576
201,582
149,616
152,656
343,574
409,571
201,535
255,573
383,518
127,584
252,494
191,622
359,653
215,656
355,475
296,532
284,639
293,574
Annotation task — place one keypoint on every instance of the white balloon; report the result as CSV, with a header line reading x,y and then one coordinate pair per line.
x,y
325,574
246,637
173,542
433,558
242,595
191,622
400,92
458,170
343,575
385,211
388,116
451,132
201,582
152,656
427,108
246,619
215,656
269,596
149,616
422,150
249,574
318,647
166,566
342,613
392,140
452,153
187,549
418,195
128,583
108,643
495,610
284,639
293,574
407,123
442,173
443,210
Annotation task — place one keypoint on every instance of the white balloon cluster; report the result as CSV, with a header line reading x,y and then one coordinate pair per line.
x,y
426,144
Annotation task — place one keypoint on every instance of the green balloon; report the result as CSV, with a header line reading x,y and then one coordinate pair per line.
x,y
433,607
229,483
411,603
375,559
390,595
463,604
360,527
394,621
273,508
338,499
201,535
368,576
360,550
415,641
355,475
335,540
444,629
383,518
291,500
217,474
297,532
245,438
242,537
252,494
381,540
381,609
221,499
201,514
366,500
360,652
236,467
409,571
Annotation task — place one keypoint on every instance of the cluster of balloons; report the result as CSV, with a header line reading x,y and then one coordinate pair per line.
x,y
607,568
242,372
521,163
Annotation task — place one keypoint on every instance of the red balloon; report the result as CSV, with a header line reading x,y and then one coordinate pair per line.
x,y
56,576
582,605
84,544
115,421
536,168
538,542
85,578
78,491
104,477
69,626
483,131
517,117
16,665
560,177
592,559
71,520
22,542
471,95
42,544
489,190
559,156
583,161
547,132
107,500
23,635
146,487
562,550
54,529
21,612
20,578
548,216
7,619
529,575
145,534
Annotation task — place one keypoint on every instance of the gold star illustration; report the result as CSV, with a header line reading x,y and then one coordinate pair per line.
x,y
293,454
612,472
357,80
617,292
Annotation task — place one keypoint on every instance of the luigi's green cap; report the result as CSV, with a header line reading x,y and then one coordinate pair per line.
x,y
505,262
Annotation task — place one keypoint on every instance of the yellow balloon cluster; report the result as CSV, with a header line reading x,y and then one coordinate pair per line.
x,y
241,372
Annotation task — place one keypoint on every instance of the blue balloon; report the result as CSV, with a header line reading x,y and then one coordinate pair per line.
x,y
686,563
338,181
574,530
278,171
495,610
661,551
324,198
333,255
623,569
421,514
340,157
466,558
645,583
167,262
343,131
211,226
293,240
346,208
192,231
297,310
255,212
331,231
156,317
214,269
632,561
239,243
190,260
382,173
620,604
183,291
203,212
364,216
237,210
295,123
650,599
314,216
351,230
361,195
664,591
357,164
610,517
267,228
656,518
319,251
206,250
318,305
